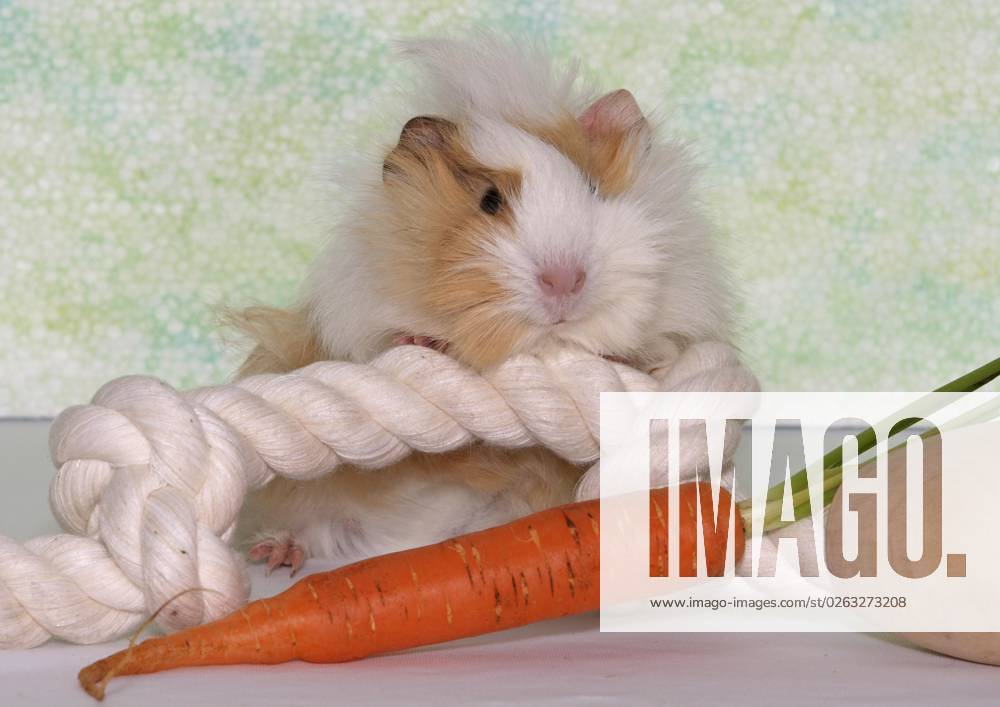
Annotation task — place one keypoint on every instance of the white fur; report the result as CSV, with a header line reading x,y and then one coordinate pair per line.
x,y
651,270
333,520
653,283
150,481
647,254
486,76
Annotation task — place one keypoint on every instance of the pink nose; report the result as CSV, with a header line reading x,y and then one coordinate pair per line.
x,y
561,280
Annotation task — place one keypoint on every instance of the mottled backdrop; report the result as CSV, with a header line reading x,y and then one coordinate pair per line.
x,y
156,159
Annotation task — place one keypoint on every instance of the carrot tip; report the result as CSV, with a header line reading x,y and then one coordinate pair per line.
x,y
94,679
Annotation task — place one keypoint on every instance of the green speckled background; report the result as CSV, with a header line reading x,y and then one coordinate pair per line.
x,y
156,159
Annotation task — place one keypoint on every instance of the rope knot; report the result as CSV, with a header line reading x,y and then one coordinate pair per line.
x,y
150,480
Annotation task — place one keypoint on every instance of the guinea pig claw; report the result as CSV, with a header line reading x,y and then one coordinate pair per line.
x,y
419,340
278,552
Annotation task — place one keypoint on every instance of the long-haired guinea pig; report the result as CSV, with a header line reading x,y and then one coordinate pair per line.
x,y
517,212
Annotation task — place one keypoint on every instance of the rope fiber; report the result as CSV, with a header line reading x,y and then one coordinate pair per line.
x,y
150,480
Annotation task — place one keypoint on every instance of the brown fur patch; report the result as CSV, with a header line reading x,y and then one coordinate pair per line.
x,y
436,188
612,160
607,158
567,136
284,339
430,249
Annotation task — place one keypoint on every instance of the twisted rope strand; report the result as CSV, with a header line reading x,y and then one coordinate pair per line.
x,y
150,480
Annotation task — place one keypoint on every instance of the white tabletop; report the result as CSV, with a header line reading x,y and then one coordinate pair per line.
x,y
564,662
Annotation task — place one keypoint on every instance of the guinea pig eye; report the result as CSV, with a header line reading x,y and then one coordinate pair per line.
x,y
491,201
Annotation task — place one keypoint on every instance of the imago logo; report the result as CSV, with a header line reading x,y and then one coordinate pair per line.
x,y
816,512
927,516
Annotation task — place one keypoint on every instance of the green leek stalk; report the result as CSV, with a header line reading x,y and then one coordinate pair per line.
x,y
833,461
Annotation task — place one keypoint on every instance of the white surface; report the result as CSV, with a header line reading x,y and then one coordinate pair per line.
x,y
566,662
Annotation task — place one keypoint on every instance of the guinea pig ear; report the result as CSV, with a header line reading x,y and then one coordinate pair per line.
x,y
426,131
612,114
420,134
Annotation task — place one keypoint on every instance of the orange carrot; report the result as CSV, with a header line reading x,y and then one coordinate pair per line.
x,y
539,567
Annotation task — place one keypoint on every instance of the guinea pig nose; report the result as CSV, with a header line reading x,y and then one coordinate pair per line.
x,y
561,280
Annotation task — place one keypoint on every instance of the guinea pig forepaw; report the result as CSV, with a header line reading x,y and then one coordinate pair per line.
x,y
277,548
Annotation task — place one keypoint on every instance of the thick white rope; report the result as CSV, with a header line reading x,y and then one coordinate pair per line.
x,y
150,480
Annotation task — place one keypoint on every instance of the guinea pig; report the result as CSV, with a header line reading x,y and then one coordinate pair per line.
x,y
519,211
